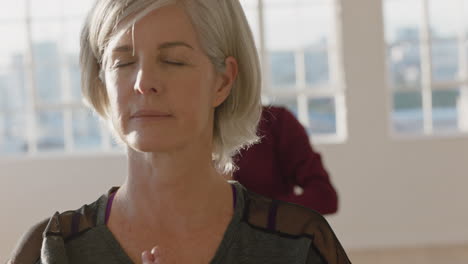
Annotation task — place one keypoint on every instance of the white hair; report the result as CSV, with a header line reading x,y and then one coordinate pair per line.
x,y
223,31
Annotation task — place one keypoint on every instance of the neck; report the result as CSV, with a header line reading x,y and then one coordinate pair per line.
x,y
173,191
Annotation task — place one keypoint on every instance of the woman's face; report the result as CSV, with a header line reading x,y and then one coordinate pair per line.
x,y
162,88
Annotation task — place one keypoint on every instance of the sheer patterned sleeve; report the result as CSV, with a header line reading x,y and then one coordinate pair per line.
x,y
300,221
295,221
28,249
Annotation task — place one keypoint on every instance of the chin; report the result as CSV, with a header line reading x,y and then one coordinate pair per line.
x,y
148,145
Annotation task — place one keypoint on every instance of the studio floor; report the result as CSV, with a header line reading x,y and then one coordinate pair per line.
x,y
456,254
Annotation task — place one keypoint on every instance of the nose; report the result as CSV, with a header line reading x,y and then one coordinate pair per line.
x,y
146,81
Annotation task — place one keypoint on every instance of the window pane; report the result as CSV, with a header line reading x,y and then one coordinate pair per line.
x,y
283,69
47,72
316,65
288,102
402,19
14,45
75,78
56,49
251,12
75,8
4,104
70,36
13,133
404,65
86,130
445,58
46,9
465,47
12,11
446,18
462,109
12,86
117,145
50,131
72,59
322,116
47,61
285,40
444,110
407,116
12,68
283,16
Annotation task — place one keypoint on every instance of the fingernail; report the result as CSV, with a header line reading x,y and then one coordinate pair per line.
x,y
147,256
155,252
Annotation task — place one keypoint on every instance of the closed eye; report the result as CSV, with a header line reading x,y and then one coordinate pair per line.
x,y
125,64
175,63
120,65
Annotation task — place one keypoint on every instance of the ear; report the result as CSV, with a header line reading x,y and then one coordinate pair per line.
x,y
225,81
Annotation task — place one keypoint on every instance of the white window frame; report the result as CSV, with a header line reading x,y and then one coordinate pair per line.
x,y
428,84
65,106
303,92
335,89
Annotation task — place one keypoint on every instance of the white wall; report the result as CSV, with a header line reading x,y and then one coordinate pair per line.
x,y
392,192
34,189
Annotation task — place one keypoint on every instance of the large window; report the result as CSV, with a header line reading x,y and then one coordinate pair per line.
x,y
40,100
427,62
297,41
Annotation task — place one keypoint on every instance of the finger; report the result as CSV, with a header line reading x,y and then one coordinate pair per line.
x,y
147,257
155,252
156,255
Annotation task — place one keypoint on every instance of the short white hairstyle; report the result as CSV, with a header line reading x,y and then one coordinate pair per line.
x,y
223,31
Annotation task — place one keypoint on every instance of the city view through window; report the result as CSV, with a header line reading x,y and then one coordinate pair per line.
x,y
40,98
427,65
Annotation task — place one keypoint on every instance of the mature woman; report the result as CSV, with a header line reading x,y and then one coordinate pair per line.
x,y
179,84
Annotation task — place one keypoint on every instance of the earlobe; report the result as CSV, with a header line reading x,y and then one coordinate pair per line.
x,y
227,80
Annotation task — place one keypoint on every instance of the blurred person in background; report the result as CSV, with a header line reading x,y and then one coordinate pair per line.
x,y
284,166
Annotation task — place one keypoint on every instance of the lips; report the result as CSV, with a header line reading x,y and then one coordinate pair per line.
x,y
150,113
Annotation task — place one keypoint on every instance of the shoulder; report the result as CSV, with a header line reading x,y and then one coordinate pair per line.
x,y
301,221
28,248
282,119
273,113
294,221
64,225
278,112
274,118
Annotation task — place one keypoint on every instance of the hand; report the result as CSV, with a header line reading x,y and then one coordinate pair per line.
x,y
152,257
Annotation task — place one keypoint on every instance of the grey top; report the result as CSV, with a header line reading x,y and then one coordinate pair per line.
x,y
261,231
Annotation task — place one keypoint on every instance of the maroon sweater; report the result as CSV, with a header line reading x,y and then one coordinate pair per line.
x,y
283,159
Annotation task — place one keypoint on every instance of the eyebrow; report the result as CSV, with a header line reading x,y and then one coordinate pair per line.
x,y
165,45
